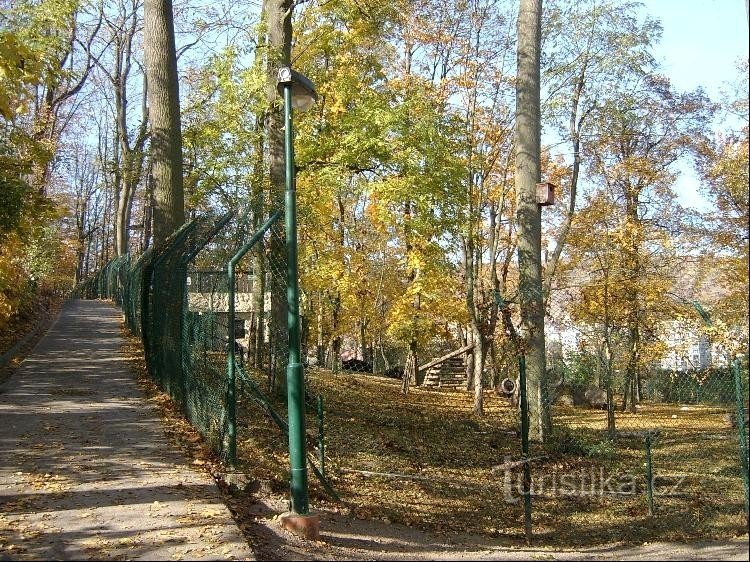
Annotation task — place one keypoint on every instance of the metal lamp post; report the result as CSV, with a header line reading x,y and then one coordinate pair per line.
x,y
299,93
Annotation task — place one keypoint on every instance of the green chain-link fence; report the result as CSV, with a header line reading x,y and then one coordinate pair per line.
x,y
663,439
178,298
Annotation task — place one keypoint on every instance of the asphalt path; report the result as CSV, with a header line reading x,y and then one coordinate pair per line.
x,y
86,470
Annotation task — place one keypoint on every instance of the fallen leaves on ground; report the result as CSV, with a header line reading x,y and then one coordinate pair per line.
x,y
424,460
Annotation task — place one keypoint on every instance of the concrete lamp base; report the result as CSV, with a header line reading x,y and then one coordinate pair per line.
x,y
306,526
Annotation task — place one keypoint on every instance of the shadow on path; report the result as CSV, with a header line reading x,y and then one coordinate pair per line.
x,y
86,471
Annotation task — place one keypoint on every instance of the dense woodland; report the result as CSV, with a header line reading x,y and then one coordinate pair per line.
x,y
408,210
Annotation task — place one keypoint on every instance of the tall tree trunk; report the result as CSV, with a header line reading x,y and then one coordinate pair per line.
x,y
363,344
479,353
633,264
122,219
88,256
611,429
575,124
106,228
320,350
409,377
166,159
259,303
469,367
148,208
528,172
277,24
334,359
131,154
258,259
411,365
164,115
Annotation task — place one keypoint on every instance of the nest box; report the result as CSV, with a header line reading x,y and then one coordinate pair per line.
x,y
545,193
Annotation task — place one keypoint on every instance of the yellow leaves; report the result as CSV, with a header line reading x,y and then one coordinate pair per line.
x,y
13,76
337,108
11,277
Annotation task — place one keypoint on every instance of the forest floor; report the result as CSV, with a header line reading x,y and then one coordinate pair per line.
x,y
424,461
377,520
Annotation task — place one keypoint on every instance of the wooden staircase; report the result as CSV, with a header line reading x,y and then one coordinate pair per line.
x,y
448,371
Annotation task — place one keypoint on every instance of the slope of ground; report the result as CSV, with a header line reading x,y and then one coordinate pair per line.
x,y
423,460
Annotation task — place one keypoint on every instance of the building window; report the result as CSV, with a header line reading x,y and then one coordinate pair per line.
x,y
239,329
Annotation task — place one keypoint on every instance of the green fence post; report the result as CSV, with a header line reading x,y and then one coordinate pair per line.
x,y
741,429
231,366
649,476
231,359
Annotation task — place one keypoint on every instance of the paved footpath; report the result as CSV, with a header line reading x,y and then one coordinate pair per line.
x,y
86,471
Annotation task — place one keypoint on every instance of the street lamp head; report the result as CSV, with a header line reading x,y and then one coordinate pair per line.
x,y
303,90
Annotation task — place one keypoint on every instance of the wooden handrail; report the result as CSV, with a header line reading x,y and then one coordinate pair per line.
x,y
445,357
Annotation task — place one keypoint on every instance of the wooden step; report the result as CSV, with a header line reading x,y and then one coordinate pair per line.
x,y
447,372
435,380
453,385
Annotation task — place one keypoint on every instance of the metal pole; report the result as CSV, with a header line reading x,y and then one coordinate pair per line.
x,y
231,358
741,429
231,397
525,448
294,375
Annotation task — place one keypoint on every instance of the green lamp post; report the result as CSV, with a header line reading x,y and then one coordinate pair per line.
x,y
299,93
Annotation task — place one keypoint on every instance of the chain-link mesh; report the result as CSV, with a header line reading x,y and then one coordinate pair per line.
x,y
661,430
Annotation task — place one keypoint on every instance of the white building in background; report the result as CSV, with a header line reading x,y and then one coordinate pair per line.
x,y
687,347
687,350
561,340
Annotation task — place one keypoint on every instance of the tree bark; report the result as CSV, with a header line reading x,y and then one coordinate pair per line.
x,y
258,257
409,376
164,115
277,25
480,353
528,172
131,155
575,124
469,365
166,165
320,347
633,264
148,207
411,365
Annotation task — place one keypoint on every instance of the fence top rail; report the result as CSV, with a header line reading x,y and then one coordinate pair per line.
x,y
257,236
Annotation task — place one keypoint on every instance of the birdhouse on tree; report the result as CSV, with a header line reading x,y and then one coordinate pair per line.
x,y
545,194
